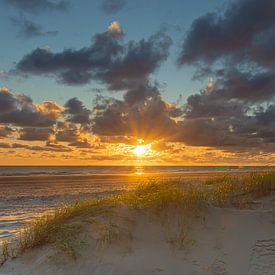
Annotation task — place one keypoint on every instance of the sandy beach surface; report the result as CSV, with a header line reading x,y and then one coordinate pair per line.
x,y
222,241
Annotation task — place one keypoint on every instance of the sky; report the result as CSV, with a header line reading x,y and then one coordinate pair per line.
x,y
124,82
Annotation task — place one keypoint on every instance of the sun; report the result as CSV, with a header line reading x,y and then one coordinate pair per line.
x,y
141,150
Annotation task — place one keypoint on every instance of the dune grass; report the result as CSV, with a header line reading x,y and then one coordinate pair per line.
x,y
63,228
240,190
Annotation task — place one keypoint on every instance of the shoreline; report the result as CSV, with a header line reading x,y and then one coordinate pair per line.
x,y
129,175
134,170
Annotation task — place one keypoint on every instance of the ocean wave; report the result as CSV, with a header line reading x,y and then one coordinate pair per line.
x,y
98,170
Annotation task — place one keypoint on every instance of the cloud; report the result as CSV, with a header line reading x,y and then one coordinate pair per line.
x,y
227,124
22,119
76,112
35,6
32,134
207,132
205,105
81,144
29,29
115,27
5,131
4,145
140,92
21,111
72,134
235,33
235,47
67,133
112,6
119,140
48,148
148,119
7,102
246,86
236,114
208,119
107,60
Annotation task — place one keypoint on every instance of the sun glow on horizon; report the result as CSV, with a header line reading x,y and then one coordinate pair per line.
x,y
142,150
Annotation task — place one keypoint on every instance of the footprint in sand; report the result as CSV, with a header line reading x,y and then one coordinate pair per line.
x,y
262,261
219,268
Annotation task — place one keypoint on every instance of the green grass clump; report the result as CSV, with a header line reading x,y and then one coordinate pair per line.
x,y
241,189
185,201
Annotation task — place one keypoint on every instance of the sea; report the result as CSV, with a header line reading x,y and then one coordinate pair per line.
x,y
27,192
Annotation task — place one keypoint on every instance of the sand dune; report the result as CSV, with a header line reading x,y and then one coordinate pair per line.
x,y
222,241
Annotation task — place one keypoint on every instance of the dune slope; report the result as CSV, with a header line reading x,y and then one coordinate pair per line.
x,y
221,241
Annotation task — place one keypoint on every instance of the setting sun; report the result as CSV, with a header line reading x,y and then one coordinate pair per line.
x,y
132,129
141,150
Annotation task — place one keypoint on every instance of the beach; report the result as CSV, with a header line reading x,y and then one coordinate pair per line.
x,y
137,137
229,242
223,237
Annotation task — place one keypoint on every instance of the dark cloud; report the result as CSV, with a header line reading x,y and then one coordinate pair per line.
x,y
140,92
206,105
139,61
34,6
36,148
243,38
67,134
236,48
107,59
149,119
25,120
234,33
81,144
5,131
224,123
112,6
7,101
246,86
204,132
76,112
4,145
49,148
72,134
118,140
74,66
21,111
58,147
18,146
266,116
26,117
29,29
31,134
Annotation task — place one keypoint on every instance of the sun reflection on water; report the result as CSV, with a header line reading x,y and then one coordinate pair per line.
x,y
139,170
